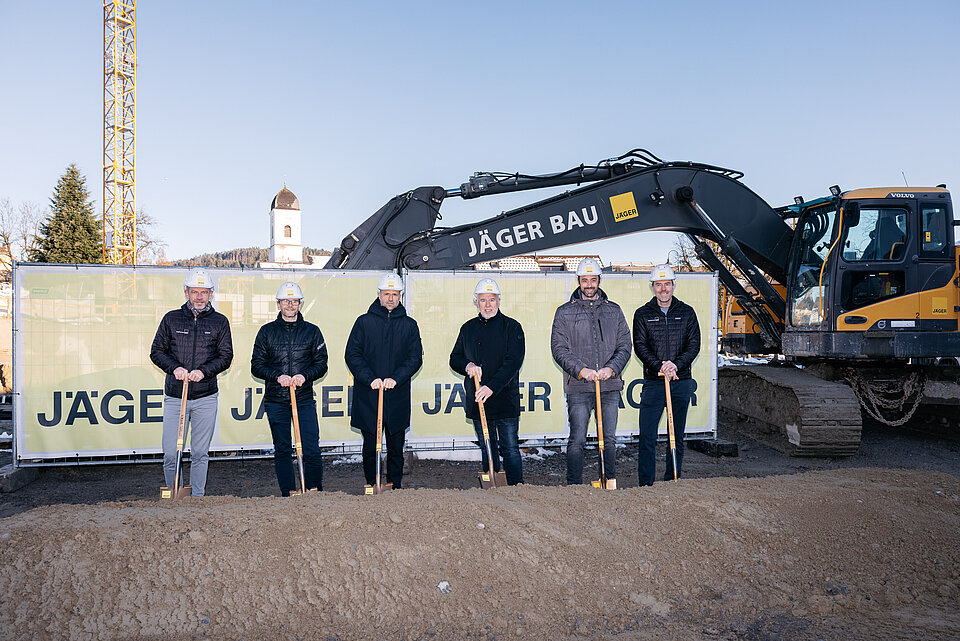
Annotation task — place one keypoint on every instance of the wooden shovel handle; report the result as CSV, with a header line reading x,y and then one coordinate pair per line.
x,y
181,437
599,415
296,421
183,415
379,418
670,432
485,430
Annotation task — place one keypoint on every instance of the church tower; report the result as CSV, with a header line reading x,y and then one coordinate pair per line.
x,y
285,243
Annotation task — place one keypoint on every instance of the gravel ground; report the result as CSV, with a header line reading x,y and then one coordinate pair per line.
x,y
880,447
760,547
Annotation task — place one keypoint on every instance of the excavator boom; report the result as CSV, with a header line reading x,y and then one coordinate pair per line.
x,y
651,198
869,279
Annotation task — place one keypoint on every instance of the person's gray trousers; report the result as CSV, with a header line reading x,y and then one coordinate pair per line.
x,y
201,419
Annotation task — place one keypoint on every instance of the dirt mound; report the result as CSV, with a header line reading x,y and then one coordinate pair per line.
x,y
857,553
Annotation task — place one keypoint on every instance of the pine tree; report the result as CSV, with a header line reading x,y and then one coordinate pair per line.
x,y
71,233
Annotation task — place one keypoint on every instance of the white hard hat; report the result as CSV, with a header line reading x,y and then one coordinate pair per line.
x,y
589,267
198,277
289,290
662,272
390,281
485,286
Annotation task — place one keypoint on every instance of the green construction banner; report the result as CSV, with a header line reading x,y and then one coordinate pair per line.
x,y
85,386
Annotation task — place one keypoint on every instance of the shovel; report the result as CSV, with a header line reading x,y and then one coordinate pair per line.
x,y
488,478
298,443
602,483
178,492
673,442
378,487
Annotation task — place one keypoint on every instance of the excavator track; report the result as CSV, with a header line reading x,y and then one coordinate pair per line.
x,y
803,415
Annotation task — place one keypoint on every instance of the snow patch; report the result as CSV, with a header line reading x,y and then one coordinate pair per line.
x,y
727,361
539,455
451,455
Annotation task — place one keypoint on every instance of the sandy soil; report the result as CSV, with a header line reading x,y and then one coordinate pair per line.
x,y
743,548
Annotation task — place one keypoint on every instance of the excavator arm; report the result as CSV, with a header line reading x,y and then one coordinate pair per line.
x,y
635,192
625,199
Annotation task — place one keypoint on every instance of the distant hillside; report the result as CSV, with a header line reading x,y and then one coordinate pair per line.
x,y
246,257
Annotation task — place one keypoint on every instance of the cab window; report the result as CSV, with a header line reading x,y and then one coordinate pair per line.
x,y
933,233
816,230
879,235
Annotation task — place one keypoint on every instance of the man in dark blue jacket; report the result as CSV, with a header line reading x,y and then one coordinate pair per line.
x,y
383,350
491,345
666,338
290,352
192,343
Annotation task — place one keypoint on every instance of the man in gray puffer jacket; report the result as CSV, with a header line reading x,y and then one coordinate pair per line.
x,y
591,342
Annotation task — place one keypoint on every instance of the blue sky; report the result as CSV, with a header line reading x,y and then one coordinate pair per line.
x,y
353,103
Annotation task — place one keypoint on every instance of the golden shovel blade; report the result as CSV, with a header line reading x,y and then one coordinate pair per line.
x,y
499,479
167,492
605,484
370,490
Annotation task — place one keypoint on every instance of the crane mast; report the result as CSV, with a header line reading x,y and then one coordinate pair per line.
x,y
119,131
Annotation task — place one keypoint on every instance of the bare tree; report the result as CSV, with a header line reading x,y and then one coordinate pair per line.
x,y
18,228
162,257
28,221
6,227
150,247
682,254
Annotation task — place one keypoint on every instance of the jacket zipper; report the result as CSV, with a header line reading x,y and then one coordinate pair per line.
x,y
290,350
666,330
600,330
193,354
388,333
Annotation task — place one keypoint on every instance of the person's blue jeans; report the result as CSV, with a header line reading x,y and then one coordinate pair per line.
x,y
280,417
652,403
504,442
579,407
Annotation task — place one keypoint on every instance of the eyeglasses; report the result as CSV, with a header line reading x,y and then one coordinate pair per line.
x,y
290,301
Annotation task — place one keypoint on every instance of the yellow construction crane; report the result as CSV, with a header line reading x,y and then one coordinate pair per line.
x,y
119,131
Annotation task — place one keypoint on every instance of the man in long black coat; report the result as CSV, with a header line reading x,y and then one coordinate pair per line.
x,y
383,350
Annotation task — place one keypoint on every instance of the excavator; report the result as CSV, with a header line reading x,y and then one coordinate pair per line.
x,y
855,296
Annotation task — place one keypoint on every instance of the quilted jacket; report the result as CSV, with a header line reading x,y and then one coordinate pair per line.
x,y
288,348
659,337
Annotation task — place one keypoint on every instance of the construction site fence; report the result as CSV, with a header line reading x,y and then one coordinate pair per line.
x,y
86,392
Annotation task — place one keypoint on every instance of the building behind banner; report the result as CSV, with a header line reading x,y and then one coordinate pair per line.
x,y
85,389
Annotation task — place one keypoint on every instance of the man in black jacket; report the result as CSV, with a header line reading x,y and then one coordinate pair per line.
x,y
383,350
491,345
666,338
290,352
192,343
